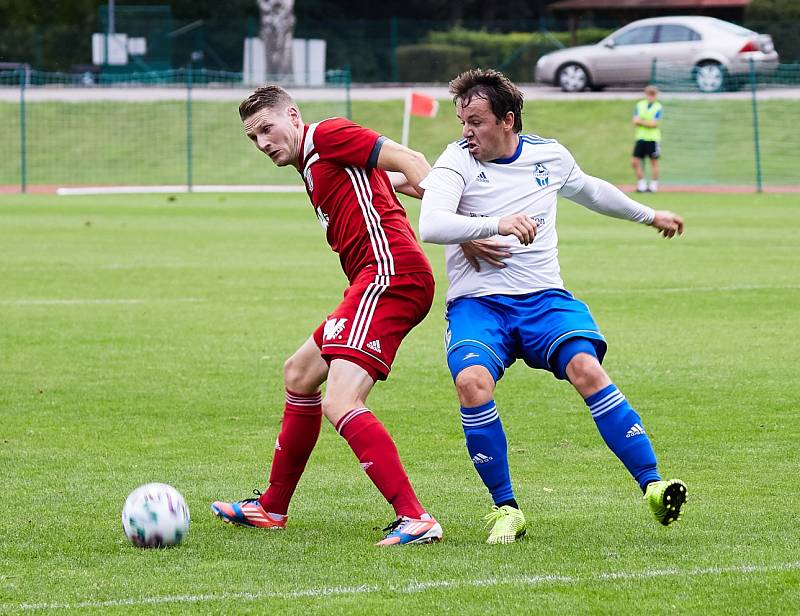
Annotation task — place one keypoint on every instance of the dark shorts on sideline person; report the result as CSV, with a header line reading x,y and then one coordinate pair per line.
x,y
646,149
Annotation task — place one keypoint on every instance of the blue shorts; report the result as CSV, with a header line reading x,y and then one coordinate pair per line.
x,y
496,330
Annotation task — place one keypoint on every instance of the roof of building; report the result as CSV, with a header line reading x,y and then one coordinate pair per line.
x,y
586,5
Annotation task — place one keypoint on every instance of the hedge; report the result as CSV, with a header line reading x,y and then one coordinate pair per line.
x,y
442,54
431,62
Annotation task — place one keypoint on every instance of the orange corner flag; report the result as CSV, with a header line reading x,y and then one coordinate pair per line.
x,y
423,105
419,105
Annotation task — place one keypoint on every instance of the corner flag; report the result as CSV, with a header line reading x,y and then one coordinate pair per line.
x,y
419,105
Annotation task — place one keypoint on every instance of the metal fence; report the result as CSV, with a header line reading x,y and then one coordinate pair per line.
x,y
177,127
752,117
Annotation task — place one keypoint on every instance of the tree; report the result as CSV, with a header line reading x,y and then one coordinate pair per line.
x,y
778,18
277,31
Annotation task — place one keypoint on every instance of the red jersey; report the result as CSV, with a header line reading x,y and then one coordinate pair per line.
x,y
354,200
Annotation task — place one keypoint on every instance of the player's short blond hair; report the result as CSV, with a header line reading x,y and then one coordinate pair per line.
x,y
651,90
270,96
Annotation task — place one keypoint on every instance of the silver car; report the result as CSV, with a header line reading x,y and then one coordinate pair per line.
x,y
716,51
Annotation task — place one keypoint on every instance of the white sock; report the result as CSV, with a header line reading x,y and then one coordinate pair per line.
x,y
641,185
653,185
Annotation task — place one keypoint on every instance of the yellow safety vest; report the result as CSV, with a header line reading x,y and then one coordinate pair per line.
x,y
647,111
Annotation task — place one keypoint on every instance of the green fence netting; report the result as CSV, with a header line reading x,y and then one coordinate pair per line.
x,y
163,128
743,134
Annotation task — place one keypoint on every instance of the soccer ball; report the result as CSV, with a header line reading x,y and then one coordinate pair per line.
x,y
155,516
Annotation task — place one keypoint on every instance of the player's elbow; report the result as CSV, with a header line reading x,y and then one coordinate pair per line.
x,y
426,232
429,231
419,159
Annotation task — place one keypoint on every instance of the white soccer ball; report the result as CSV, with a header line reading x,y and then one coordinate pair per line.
x,y
155,516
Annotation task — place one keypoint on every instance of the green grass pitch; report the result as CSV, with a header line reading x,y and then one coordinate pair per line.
x,y
142,339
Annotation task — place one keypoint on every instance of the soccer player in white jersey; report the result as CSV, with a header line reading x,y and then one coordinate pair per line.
x,y
506,300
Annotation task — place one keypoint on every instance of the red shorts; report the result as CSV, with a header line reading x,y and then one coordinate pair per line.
x,y
375,315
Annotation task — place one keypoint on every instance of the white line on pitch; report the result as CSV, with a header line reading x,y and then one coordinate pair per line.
x,y
83,302
410,587
733,287
178,188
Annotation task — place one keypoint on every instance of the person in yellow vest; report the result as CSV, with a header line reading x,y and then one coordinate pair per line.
x,y
647,118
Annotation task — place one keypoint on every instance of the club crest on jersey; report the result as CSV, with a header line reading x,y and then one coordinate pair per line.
x,y
323,218
333,328
542,175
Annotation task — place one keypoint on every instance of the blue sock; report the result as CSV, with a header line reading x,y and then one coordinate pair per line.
x,y
622,430
486,443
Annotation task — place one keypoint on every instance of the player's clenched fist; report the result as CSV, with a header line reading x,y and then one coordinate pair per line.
x,y
668,223
520,226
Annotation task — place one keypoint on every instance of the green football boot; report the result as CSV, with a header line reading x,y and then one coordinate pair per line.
x,y
508,524
665,499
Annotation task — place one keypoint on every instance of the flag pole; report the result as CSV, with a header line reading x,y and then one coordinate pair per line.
x,y
406,118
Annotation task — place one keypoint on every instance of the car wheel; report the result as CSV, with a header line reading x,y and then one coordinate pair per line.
x,y
709,77
573,78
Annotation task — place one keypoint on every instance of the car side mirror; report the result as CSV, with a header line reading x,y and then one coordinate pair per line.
x,y
610,44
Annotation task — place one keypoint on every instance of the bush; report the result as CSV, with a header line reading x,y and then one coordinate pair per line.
x,y
515,53
779,19
431,62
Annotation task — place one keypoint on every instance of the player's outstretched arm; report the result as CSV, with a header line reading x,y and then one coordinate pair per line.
x,y
668,223
604,198
412,164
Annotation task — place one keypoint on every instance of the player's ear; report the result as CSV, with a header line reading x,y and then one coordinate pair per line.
x,y
294,115
508,121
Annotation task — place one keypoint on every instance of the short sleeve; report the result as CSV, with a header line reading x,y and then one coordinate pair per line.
x,y
345,142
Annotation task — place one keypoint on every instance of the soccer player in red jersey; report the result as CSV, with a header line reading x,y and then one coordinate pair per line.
x,y
351,174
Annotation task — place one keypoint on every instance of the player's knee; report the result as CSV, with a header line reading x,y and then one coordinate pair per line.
x,y
297,377
585,373
475,386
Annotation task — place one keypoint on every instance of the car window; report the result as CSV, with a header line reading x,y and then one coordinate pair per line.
x,y
670,33
636,36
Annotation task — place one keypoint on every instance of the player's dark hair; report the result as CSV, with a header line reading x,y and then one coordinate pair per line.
x,y
502,95
265,97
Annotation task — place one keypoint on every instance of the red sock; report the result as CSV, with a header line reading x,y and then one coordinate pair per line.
x,y
378,455
302,419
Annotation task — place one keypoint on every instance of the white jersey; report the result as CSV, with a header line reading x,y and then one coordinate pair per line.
x,y
527,182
